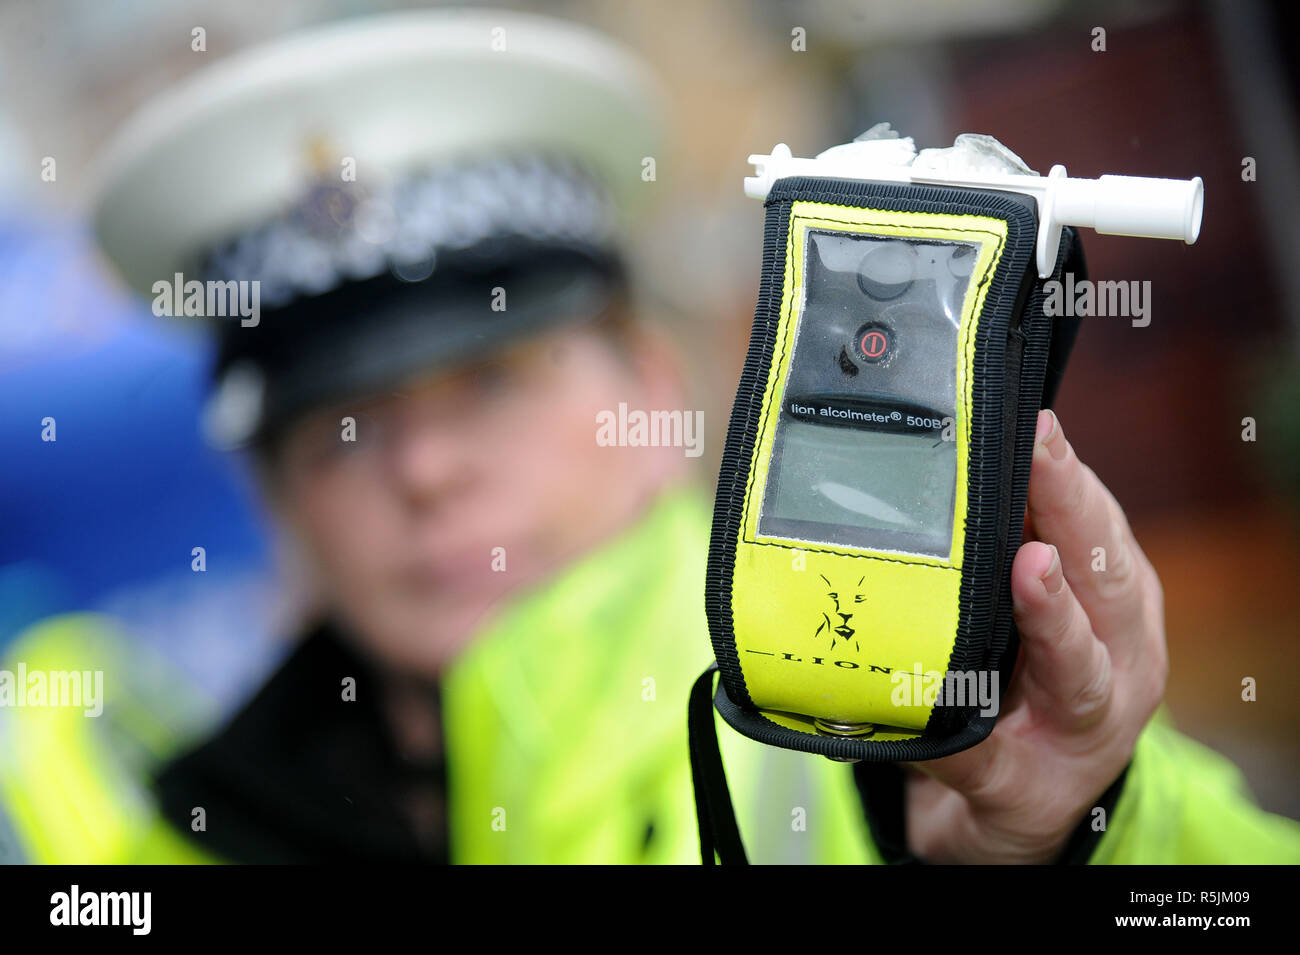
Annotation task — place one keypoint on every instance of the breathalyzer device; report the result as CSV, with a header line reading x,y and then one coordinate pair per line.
x,y
873,483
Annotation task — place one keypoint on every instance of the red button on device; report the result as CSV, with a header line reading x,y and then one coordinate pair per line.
x,y
873,343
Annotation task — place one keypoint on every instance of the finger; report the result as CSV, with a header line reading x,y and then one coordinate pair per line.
x,y
1071,509
1067,669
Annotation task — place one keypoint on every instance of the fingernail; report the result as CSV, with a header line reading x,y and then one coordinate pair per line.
x,y
1052,578
1049,435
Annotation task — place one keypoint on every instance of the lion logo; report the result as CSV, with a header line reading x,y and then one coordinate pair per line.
x,y
840,630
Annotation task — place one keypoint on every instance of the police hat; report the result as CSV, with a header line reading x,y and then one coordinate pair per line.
x,y
374,199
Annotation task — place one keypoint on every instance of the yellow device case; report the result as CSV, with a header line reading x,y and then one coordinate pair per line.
x,y
886,684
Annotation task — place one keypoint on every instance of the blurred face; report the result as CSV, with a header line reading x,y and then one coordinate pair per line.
x,y
470,485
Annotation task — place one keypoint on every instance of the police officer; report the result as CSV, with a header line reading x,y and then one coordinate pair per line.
x,y
405,235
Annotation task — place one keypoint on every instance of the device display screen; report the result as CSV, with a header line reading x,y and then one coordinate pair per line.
x,y
865,450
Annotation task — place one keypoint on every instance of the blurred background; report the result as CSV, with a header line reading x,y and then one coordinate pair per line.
x,y
106,518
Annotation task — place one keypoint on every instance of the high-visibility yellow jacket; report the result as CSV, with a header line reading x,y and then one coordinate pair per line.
x,y
565,737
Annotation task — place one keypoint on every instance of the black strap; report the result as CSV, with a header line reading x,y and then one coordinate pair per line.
x,y
882,790
717,818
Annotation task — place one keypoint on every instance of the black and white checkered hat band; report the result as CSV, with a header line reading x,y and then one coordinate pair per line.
x,y
350,231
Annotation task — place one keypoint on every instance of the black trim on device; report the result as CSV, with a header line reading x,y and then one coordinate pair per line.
x,y
729,502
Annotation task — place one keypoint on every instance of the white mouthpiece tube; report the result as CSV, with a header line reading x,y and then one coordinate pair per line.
x,y
1132,205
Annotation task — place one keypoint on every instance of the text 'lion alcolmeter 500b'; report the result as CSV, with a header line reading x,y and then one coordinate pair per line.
x,y
873,485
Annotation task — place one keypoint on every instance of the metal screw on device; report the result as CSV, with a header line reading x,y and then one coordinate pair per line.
x,y
843,731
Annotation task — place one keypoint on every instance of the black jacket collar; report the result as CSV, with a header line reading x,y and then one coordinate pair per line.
x,y
300,774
